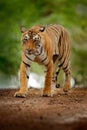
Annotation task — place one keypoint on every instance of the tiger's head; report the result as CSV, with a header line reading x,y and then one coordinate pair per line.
x,y
32,39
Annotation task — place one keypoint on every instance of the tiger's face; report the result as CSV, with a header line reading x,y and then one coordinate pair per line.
x,y
32,40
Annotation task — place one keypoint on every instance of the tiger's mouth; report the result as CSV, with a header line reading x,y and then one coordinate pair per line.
x,y
37,51
29,51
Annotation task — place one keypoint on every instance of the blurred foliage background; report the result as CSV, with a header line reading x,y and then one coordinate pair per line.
x,y
72,14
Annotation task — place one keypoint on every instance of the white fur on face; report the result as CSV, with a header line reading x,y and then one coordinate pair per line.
x,y
35,37
27,37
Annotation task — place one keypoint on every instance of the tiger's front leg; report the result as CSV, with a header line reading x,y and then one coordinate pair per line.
x,y
23,81
47,91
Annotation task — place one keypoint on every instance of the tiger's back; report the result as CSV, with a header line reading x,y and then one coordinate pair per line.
x,y
58,38
60,42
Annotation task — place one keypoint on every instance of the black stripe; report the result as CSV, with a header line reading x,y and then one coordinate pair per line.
x,y
61,57
57,72
61,63
27,76
55,57
65,70
62,54
44,59
40,52
26,64
28,57
54,79
55,28
65,67
60,40
63,49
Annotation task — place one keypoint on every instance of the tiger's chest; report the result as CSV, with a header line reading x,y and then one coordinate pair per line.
x,y
41,58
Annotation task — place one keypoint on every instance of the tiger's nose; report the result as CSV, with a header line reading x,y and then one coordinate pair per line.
x,y
28,51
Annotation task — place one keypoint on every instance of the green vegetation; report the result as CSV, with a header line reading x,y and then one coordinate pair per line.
x,y
70,14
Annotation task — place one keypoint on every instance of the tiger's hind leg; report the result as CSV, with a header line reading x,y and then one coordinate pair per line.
x,y
54,79
56,71
67,72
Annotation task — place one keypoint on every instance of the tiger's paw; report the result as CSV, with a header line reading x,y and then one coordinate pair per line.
x,y
20,94
47,93
66,88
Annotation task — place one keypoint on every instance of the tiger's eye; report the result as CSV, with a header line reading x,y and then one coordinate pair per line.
x,y
35,37
26,37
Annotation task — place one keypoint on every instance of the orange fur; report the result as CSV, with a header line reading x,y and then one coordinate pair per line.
x,y
55,42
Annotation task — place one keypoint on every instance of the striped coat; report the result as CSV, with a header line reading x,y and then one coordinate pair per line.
x,y
50,46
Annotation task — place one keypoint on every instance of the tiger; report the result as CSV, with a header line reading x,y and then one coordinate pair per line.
x,y
49,46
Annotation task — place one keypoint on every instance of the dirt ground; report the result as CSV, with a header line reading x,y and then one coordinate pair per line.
x,y
61,112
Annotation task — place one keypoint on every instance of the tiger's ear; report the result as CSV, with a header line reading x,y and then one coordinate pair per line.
x,y
42,29
23,29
